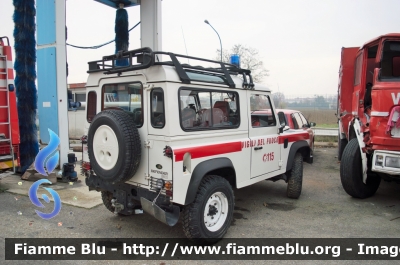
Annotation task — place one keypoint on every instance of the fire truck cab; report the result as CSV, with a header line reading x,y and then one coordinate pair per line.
x,y
368,115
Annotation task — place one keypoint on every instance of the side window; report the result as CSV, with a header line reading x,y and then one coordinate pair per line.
x,y
157,108
261,111
304,120
91,106
295,124
125,96
282,119
207,109
298,120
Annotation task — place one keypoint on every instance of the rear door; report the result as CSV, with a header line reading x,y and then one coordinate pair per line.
x,y
126,93
263,134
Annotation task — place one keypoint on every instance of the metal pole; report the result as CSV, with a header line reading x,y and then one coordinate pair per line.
x,y
206,21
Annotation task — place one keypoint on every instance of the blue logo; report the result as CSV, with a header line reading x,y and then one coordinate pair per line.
x,y
34,199
45,154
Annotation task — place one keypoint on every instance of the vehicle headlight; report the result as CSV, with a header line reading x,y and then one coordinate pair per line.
x,y
391,161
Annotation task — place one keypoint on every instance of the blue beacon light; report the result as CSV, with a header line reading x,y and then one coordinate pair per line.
x,y
235,60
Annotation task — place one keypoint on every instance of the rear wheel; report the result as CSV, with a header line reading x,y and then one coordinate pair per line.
x,y
351,173
207,219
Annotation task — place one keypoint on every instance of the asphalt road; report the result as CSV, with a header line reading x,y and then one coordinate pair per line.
x,y
261,211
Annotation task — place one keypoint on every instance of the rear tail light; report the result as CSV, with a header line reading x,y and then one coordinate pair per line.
x,y
85,167
84,139
168,151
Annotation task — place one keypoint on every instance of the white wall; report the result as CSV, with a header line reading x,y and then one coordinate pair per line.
x,y
76,120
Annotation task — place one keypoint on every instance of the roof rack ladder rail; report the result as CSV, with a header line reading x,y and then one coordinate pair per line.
x,y
245,84
231,84
179,69
129,54
251,84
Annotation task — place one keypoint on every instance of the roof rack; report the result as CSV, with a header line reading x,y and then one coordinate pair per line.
x,y
123,62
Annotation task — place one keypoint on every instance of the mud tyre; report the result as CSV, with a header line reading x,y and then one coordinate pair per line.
x,y
310,159
295,178
351,173
114,146
208,218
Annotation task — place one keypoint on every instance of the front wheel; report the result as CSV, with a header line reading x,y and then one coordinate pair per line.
x,y
351,174
208,218
295,178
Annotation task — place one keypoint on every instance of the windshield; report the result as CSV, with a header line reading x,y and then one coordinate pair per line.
x,y
390,62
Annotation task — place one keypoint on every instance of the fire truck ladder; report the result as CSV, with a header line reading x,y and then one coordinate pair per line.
x,y
3,65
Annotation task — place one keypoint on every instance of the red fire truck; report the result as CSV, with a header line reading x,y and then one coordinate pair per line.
x,y
369,115
9,128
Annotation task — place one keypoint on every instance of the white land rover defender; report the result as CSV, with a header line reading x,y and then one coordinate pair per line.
x,y
175,139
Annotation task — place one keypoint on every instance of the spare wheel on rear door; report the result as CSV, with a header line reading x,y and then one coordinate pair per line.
x,y
114,146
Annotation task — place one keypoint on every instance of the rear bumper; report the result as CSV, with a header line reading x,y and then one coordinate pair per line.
x,y
386,162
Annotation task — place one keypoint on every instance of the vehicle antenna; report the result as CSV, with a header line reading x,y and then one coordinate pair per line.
x,y
183,35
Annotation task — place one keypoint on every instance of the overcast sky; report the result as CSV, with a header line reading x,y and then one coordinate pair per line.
x,y
299,40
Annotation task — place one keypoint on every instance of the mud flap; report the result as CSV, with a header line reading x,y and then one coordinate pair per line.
x,y
169,218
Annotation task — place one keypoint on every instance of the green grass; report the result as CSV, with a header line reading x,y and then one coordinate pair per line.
x,y
324,125
328,139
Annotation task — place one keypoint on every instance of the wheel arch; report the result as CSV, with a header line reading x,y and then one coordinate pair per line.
x,y
221,166
301,146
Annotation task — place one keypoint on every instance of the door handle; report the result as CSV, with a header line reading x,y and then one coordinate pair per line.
x,y
258,148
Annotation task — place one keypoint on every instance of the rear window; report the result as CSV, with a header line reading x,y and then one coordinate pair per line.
x,y
127,97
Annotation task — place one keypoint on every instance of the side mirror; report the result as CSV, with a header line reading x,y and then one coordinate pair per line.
x,y
313,124
281,128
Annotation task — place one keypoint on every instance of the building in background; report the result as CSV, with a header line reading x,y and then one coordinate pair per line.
x,y
78,93
76,119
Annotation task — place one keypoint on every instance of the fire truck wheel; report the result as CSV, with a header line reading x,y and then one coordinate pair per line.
x,y
114,146
351,173
295,178
341,146
207,219
107,196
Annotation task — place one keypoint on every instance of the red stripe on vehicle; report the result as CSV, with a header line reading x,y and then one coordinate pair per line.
x,y
294,137
208,150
